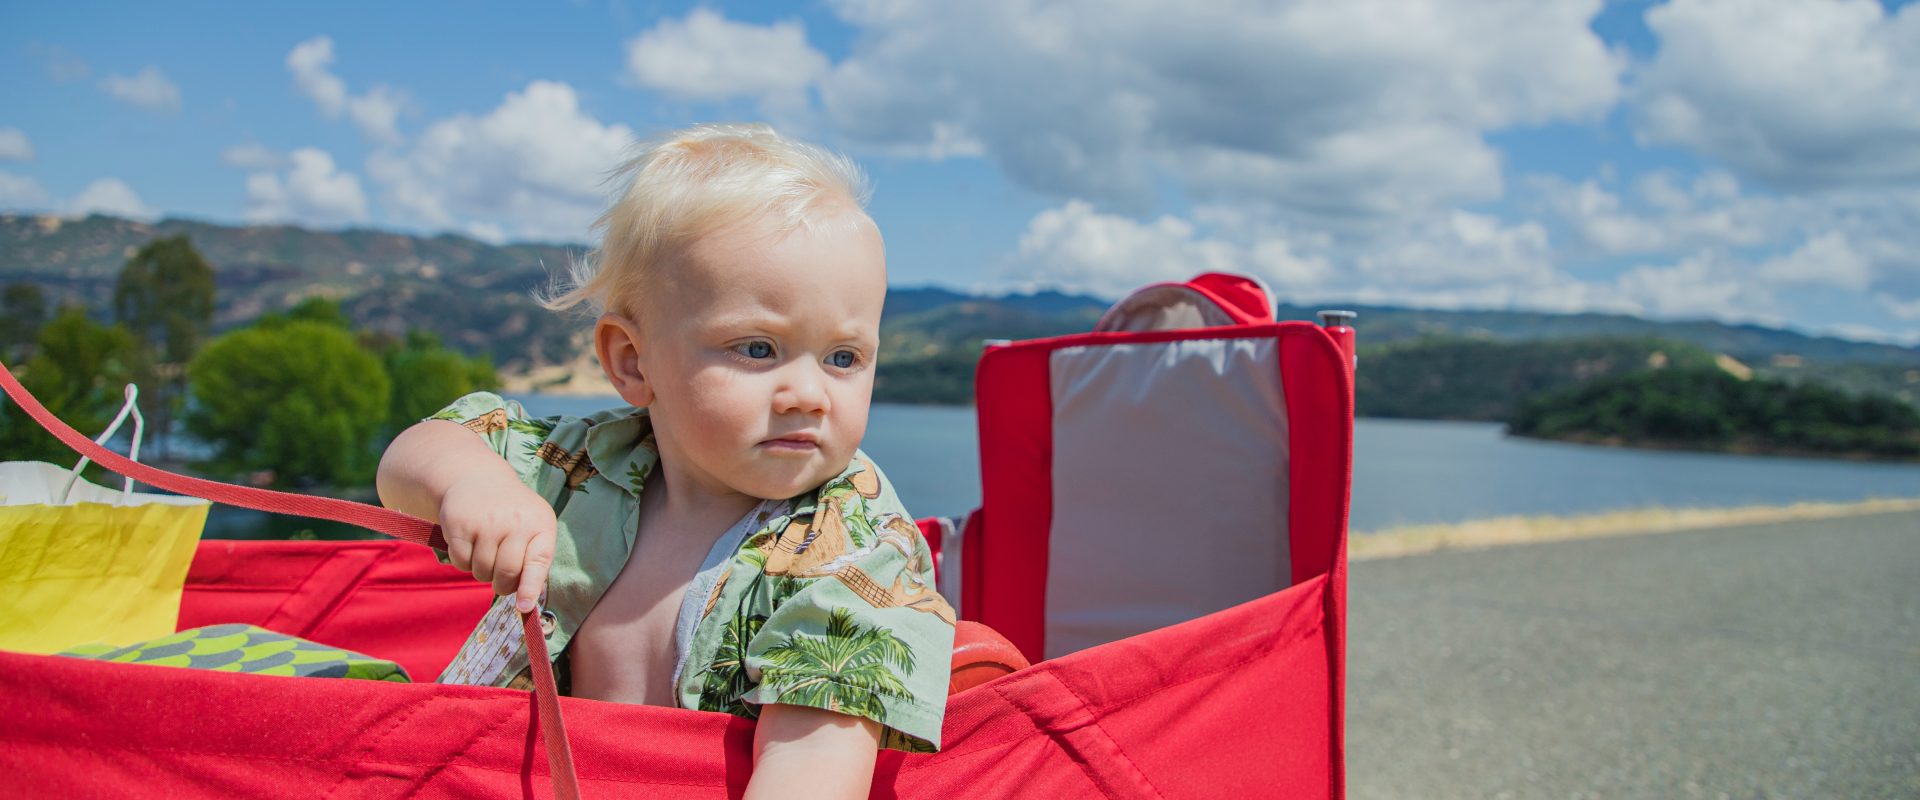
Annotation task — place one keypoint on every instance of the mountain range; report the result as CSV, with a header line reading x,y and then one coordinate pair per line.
x,y
478,297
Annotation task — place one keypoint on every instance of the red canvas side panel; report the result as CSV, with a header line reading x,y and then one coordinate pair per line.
x,y
1320,406
1209,708
93,729
1321,485
1016,417
1166,698
930,531
384,598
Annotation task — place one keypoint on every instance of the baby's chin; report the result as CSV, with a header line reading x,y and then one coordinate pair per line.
x,y
777,479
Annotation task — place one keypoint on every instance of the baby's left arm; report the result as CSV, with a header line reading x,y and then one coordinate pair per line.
x,y
812,753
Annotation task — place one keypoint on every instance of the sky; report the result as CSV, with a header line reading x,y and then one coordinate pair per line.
x,y
1746,161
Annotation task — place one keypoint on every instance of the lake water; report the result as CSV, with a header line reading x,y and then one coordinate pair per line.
x,y
1408,471
1405,472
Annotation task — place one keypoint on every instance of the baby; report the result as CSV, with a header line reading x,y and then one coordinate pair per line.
x,y
721,544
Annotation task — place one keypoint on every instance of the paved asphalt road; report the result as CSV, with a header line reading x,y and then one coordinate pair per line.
x,y
1756,662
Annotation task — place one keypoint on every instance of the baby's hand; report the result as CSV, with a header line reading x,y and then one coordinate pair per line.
x,y
502,532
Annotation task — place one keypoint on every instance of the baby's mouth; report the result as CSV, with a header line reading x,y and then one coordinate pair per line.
x,y
793,442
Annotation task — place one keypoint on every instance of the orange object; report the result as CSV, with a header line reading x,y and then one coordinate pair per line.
x,y
981,654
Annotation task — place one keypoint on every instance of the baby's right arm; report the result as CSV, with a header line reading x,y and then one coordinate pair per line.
x,y
496,527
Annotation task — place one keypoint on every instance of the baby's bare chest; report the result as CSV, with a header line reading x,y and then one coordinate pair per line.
x,y
625,649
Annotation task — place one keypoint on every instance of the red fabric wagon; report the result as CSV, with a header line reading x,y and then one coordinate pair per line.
x,y
1162,533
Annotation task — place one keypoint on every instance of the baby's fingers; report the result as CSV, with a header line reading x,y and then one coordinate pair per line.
x,y
507,561
459,548
533,578
485,550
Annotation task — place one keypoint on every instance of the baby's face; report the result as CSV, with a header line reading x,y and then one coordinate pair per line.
x,y
759,349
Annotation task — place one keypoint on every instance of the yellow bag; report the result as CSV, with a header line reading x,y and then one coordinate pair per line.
x,y
81,563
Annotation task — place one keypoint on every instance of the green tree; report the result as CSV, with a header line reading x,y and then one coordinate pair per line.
x,y
427,376
23,309
78,371
318,309
1705,407
296,397
164,295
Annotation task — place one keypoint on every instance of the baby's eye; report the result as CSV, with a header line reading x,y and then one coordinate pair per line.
x,y
844,359
754,350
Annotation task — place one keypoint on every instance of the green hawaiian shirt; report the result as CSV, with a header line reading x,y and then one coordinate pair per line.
x,y
823,600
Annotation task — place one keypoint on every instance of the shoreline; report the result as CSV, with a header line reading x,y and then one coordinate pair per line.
x,y
1411,540
1736,448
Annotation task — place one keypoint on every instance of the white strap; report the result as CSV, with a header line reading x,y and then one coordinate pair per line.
x,y
139,430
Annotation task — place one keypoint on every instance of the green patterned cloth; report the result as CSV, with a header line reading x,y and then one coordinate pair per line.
x,y
824,600
249,649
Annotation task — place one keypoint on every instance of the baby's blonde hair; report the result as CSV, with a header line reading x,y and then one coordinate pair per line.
x,y
689,183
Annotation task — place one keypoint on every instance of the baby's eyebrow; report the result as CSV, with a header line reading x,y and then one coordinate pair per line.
x,y
732,322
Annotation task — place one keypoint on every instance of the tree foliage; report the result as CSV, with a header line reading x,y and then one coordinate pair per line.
x,y
1708,408
78,371
164,295
427,376
1483,380
23,309
296,397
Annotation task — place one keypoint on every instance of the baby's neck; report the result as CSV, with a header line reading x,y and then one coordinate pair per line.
x,y
677,496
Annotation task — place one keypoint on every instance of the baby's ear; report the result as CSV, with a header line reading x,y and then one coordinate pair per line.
x,y
617,341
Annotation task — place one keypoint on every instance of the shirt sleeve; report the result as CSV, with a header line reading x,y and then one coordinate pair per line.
x,y
505,427
866,634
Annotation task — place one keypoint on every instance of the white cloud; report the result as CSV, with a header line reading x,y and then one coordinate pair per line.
x,y
486,232
110,196
312,191
709,57
14,145
1452,259
21,192
308,61
1324,108
1908,309
1699,286
148,89
1078,247
251,156
533,166
376,113
1868,333
1824,260
1712,212
1799,93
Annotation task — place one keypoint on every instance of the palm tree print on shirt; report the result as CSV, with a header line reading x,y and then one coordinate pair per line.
x,y
726,678
849,670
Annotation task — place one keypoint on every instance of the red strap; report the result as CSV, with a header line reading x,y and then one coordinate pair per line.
x,y
546,694
392,523
387,521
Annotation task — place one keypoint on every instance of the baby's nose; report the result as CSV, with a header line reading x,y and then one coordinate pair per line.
x,y
805,390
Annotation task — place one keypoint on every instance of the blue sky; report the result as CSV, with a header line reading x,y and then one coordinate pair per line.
x,y
1693,158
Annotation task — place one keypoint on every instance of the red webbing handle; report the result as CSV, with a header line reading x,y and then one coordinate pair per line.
x,y
384,520
566,784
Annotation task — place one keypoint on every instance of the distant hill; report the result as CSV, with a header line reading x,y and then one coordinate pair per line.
x,y
1749,343
476,296
1702,408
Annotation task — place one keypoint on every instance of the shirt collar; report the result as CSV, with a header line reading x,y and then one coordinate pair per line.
x,y
620,443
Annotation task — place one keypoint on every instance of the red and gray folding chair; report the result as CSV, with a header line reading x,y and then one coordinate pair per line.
x,y
1164,522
